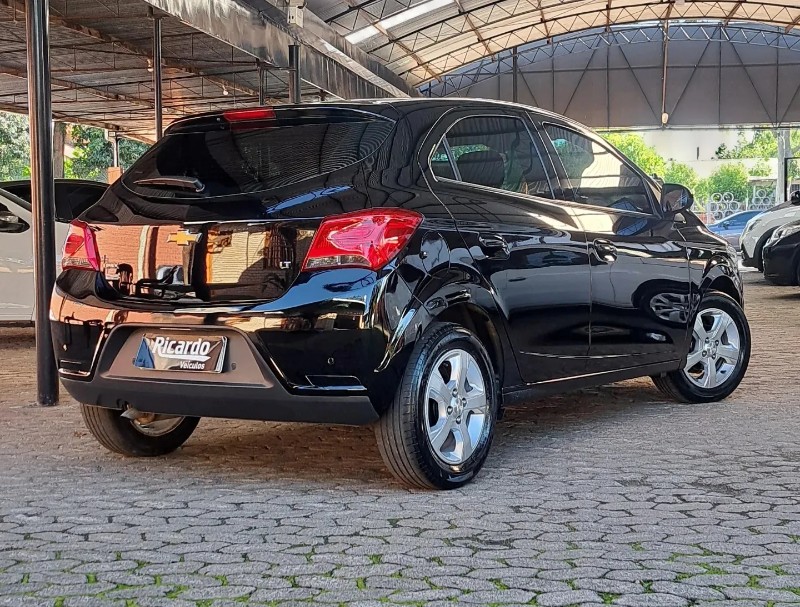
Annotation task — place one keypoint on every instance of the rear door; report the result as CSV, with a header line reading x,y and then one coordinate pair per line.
x,y
224,208
639,264
16,262
488,171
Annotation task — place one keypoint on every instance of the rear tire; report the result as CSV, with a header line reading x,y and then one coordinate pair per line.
x,y
448,397
123,436
687,384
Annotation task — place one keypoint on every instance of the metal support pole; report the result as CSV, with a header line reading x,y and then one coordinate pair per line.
x,y
115,150
42,193
157,103
514,76
262,93
294,73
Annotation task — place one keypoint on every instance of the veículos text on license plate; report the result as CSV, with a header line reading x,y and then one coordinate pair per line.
x,y
181,353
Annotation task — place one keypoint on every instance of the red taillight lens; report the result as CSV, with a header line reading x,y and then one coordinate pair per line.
x,y
365,239
258,113
80,249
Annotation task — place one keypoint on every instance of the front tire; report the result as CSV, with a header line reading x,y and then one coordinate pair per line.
x,y
718,355
438,428
148,437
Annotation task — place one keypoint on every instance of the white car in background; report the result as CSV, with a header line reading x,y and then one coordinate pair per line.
x,y
16,239
760,228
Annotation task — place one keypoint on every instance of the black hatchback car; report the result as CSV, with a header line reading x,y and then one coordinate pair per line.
x,y
411,264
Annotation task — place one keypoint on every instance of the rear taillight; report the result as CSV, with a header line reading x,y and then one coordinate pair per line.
x,y
365,239
80,248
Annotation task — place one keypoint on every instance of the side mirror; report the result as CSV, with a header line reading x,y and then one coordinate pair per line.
x,y
675,198
795,198
11,224
726,225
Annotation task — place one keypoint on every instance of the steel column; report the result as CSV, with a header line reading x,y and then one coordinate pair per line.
x,y
294,73
42,194
157,80
114,150
514,76
262,93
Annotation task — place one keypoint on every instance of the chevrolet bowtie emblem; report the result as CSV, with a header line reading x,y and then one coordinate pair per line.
x,y
183,238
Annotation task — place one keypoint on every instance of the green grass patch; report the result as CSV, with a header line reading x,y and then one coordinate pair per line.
x,y
91,578
648,586
361,583
26,578
376,559
499,584
176,592
572,584
777,569
608,597
221,579
59,602
711,569
753,581
637,546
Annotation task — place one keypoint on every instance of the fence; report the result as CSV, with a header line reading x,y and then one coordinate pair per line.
x,y
720,205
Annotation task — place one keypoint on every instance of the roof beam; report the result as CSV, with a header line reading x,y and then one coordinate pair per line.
x,y
795,22
732,12
261,29
75,86
144,52
471,24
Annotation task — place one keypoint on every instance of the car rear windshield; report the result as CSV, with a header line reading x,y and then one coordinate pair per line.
x,y
227,156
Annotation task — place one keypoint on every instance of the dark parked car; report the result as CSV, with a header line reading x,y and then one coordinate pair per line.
x,y
731,227
412,264
781,255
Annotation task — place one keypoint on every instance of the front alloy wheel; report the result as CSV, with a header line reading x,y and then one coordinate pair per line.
x,y
718,354
716,349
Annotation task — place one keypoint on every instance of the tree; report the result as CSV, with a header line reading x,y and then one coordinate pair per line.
x,y
15,146
642,155
731,178
682,174
94,154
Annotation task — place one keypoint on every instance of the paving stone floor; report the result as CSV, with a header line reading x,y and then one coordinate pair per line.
x,y
606,496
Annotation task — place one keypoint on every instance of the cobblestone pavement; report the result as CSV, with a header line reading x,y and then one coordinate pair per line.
x,y
607,496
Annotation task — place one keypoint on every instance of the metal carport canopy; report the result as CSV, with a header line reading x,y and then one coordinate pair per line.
x,y
421,41
103,72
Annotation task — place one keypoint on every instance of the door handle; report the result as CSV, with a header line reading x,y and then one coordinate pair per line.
x,y
605,250
494,245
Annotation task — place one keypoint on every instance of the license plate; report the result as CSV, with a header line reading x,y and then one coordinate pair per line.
x,y
201,354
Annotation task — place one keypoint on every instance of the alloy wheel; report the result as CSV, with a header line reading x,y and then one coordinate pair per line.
x,y
457,408
156,425
716,349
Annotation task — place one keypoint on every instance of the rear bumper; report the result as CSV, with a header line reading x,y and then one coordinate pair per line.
x,y
247,387
200,399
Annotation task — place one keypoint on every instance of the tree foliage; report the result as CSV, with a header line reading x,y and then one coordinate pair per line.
x,y
15,147
731,178
94,154
644,156
682,174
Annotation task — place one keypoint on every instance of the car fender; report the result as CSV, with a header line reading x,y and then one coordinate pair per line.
x,y
444,294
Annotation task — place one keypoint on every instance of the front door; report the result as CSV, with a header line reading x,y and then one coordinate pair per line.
x,y
488,171
639,263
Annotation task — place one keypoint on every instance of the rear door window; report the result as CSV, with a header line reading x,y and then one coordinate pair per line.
x,y
492,151
252,156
